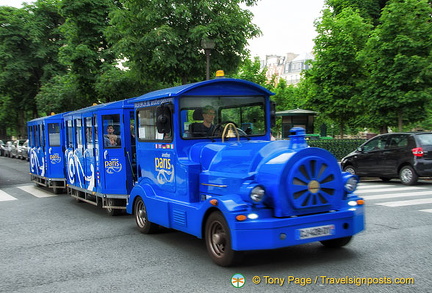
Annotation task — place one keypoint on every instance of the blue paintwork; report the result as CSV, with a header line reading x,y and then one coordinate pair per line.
x,y
93,168
46,150
178,179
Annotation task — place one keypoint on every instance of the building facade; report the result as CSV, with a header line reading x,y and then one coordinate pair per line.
x,y
288,67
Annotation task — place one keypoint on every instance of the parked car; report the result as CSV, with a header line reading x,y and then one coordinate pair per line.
x,y
23,152
16,148
406,156
2,148
8,148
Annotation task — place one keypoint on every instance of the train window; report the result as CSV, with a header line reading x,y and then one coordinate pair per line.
x,y
41,135
112,135
35,136
78,131
89,132
95,130
69,133
53,134
246,112
147,129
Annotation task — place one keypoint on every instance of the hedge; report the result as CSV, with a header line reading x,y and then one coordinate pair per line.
x,y
338,147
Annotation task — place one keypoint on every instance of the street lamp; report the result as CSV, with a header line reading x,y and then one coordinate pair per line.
x,y
207,45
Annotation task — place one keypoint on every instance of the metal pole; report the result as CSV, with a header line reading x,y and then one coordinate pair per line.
x,y
207,51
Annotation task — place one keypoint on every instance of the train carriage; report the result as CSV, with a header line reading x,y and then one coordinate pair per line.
x,y
46,152
99,154
206,166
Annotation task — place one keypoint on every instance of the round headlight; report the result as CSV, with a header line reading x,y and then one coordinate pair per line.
x,y
351,183
257,194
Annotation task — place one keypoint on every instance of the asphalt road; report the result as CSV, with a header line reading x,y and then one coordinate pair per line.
x,y
51,243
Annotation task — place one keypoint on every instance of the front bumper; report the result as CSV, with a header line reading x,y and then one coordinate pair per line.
x,y
272,233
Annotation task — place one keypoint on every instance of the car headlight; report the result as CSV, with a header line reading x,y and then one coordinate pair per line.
x,y
257,194
350,182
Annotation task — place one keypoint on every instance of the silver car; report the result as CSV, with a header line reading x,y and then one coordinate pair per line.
x,y
23,152
8,148
16,148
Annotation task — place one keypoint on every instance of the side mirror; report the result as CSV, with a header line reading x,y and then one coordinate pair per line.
x,y
163,118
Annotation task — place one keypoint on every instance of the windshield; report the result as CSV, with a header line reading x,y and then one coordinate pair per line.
x,y
207,116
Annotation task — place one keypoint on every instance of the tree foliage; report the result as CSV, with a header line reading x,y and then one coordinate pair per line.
x,y
398,61
162,39
29,42
337,69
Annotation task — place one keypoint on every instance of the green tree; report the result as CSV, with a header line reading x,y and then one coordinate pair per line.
x,y
161,39
28,45
253,71
86,52
337,69
368,9
398,59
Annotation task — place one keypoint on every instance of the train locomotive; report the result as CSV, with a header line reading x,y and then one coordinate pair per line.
x,y
199,158
231,184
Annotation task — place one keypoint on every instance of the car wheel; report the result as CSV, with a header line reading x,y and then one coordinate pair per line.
x,y
218,241
350,169
141,219
408,176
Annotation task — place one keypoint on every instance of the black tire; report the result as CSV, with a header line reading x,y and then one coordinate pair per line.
x,y
111,211
218,241
350,169
58,190
336,243
408,176
141,219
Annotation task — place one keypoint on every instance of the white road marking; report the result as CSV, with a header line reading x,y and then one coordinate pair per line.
x,y
5,196
394,195
403,203
35,191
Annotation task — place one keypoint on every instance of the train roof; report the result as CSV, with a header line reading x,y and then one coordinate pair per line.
x,y
50,117
213,87
106,106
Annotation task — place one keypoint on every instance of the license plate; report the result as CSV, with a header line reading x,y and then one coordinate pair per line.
x,y
313,232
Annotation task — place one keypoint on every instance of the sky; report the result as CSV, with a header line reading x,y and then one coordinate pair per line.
x,y
287,26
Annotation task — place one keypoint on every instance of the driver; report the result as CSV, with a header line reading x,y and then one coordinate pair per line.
x,y
206,128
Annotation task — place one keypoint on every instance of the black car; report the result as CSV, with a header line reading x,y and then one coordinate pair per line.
x,y
406,156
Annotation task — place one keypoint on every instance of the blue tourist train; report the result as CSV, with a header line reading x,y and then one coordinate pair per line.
x,y
200,158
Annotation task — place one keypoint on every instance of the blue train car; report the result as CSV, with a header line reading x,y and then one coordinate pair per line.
x,y
99,154
206,166
46,152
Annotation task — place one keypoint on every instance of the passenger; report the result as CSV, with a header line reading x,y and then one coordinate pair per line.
x,y
205,128
110,139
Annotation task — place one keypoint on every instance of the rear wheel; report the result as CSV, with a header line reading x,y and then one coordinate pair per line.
x,y
111,211
408,176
218,241
141,218
338,242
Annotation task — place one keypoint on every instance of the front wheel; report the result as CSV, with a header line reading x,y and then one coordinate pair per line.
x,y
141,219
408,176
338,242
218,241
